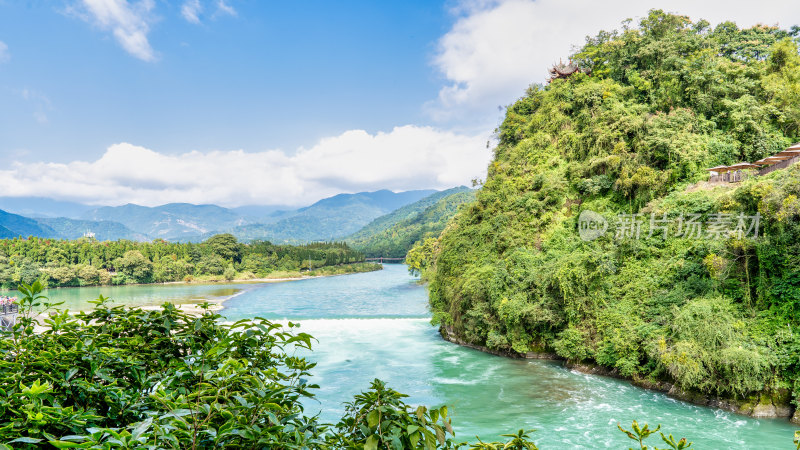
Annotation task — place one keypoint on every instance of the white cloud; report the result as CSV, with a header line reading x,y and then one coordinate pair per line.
x,y
190,10
41,104
408,157
224,8
496,48
129,23
5,56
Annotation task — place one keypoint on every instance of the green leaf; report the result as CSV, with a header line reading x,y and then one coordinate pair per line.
x,y
65,444
372,418
26,440
372,443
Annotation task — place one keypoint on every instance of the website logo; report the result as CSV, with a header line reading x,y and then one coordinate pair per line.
x,y
591,225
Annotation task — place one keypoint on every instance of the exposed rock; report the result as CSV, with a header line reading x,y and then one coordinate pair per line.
x,y
763,410
541,355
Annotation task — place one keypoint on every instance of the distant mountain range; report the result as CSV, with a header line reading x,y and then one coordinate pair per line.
x,y
13,225
174,221
43,207
332,218
393,234
103,230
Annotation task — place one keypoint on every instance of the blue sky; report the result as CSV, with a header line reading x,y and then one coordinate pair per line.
x,y
254,102
277,74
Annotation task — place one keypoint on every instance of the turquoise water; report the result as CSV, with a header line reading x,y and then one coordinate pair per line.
x,y
375,325
77,298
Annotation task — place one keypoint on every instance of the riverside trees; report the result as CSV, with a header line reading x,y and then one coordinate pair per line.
x,y
86,262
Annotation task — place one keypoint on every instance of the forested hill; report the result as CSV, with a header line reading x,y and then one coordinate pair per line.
x,y
331,218
632,132
16,225
393,234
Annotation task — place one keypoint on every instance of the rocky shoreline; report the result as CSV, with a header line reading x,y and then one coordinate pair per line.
x,y
775,405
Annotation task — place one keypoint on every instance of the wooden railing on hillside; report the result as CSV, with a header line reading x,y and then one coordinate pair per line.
x,y
729,177
781,165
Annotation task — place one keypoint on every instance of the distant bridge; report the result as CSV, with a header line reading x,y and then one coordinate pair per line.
x,y
381,259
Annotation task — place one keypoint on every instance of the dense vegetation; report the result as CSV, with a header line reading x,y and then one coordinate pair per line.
x,y
662,101
393,235
85,262
127,378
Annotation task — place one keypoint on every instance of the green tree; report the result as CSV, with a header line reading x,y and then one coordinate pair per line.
x,y
420,257
135,266
226,246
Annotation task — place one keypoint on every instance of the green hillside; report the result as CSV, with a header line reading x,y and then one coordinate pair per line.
x,y
5,233
632,133
14,225
393,234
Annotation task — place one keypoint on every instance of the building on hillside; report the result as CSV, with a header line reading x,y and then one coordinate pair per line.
x,y
740,171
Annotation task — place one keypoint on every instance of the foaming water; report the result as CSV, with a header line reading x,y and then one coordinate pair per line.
x,y
375,325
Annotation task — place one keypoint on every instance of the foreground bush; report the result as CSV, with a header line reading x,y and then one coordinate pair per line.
x,y
121,377
129,378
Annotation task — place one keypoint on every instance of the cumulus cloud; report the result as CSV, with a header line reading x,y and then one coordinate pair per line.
x,y
496,48
408,157
190,10
129,23
5,56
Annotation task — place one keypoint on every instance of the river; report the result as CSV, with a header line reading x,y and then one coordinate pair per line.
x,y
375,325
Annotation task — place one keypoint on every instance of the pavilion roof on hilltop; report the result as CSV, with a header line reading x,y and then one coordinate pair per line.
x,y
562,70
765,162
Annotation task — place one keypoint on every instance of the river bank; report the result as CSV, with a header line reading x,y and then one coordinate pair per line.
x,y
243,277
185,295
765,405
